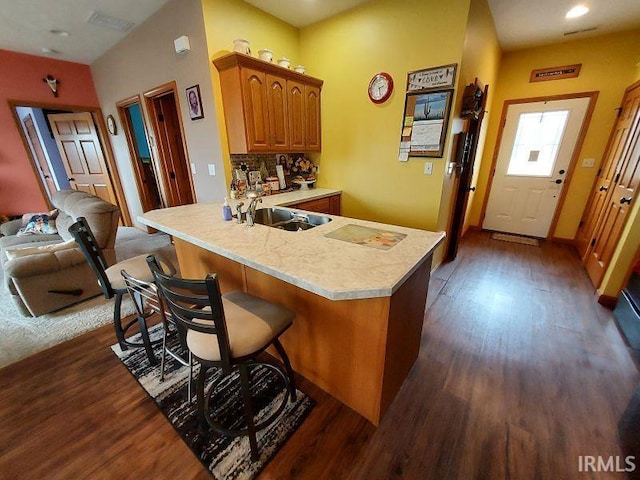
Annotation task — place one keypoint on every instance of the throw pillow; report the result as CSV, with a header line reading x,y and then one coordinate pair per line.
x,y
54,247
38,223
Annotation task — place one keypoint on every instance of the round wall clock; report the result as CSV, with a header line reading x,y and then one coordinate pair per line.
x,y
380,87
111,125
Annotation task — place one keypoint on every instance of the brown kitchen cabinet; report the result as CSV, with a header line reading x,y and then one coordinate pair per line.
x,y
268,108
329,205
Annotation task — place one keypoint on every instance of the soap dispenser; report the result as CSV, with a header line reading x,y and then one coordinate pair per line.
x,y
226,210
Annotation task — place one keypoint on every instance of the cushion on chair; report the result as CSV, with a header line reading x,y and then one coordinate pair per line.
x,y
136,267
252,324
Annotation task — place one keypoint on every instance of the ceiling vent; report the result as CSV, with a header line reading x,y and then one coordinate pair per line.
x,y
111,23
590,29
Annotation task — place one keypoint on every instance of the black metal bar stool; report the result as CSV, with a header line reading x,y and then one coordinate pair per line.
x,y
228,332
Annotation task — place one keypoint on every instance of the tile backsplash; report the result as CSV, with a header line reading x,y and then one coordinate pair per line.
x,y
253,161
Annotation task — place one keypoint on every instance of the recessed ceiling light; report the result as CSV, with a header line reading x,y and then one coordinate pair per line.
x,y
577,11
50,51
61,33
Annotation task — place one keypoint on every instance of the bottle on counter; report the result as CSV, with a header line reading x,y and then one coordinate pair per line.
x,y
226,210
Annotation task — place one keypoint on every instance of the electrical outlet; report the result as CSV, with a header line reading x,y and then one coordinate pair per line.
x,y
588,162
212,169
428,168
193,168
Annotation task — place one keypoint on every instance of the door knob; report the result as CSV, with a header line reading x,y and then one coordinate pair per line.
x,y
603,188
624,200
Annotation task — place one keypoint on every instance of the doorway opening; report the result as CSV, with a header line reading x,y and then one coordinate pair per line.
x,y
67,150
536,152
135,131
173,160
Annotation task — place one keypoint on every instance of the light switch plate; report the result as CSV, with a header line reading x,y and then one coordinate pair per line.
x,y
428,168
588,162
212,169
193,168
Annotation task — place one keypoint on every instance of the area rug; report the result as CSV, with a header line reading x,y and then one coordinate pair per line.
x,y
504,237
226,458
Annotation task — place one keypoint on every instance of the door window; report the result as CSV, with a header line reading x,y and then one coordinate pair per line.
x,y
537,142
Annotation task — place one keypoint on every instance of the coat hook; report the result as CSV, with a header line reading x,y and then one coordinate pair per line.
x,y
53,84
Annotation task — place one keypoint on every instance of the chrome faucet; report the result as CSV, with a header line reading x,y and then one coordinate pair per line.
x,y
251,209
239,211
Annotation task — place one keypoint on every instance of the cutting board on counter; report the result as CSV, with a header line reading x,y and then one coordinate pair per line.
x,y
369,237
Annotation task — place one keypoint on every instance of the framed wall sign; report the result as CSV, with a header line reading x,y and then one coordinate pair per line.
x,y
432,78
555,73
426,116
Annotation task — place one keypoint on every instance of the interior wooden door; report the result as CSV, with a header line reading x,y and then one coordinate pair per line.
x,y
312,118
171,151
278,116
619,201
38,155
619,144
82,154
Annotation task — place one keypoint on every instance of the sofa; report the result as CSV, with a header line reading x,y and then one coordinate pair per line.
x,y
47,272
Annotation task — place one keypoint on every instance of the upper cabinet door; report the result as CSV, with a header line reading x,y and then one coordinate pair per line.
x,y
254,92
296,116
268,108
312,125
278,117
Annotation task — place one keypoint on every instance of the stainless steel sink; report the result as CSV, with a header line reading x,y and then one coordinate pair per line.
x,y
289,220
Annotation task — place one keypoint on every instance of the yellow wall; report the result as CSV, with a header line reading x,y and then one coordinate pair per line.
x,y
481,60
360,140
608,66
226,20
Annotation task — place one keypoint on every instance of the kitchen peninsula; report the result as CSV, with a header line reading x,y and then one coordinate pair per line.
x,y
359,306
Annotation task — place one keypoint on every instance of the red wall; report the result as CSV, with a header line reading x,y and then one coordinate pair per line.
x,y
21,79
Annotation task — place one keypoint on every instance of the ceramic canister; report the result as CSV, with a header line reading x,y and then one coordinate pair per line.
x,y
266,55
300,69
284,62
273,183
242,46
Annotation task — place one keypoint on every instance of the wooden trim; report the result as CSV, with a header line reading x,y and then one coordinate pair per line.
x,y
608,301
127,127
593,96
150,95
235,59
101,129
563,241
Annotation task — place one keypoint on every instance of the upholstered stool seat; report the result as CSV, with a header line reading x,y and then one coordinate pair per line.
x,y
252,323
136,267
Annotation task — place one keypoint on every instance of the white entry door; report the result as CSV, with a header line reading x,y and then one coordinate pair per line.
x,y
537,144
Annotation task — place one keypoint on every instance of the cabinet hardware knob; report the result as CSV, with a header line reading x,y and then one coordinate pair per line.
x,y
71,179
472,189
603,188
624,200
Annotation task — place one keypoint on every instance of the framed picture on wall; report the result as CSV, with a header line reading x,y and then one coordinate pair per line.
x,y
195,102
426,116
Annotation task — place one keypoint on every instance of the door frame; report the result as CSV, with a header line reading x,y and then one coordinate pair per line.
x,y
101,130
593,97
127,127
149,97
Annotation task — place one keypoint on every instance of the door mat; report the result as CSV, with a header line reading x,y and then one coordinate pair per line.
x,y
225,457
504,237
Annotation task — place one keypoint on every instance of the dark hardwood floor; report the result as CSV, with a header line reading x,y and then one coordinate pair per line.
x,y
520,372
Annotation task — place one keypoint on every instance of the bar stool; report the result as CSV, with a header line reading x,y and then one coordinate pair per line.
x,y
112,283
228,332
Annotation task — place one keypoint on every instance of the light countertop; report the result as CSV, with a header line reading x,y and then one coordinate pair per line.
x,y
329,267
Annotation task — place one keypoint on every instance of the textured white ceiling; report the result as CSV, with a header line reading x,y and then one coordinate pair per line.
x,y
301,13
25,25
